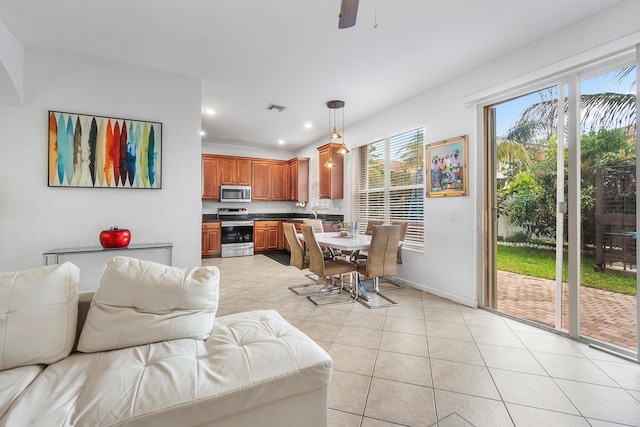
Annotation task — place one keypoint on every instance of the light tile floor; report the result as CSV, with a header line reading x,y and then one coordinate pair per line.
x,y
432,362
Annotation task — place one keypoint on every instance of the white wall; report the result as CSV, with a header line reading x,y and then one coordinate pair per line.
x,y
11,67
231,149
35,218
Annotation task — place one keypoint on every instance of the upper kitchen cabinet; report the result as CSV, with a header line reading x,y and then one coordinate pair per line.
x,y
279,181
235,170
331,178
270,180
211,177
298,179
261,180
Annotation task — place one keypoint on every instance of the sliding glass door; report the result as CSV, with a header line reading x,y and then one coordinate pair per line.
x,y
528,181
608,310
560,206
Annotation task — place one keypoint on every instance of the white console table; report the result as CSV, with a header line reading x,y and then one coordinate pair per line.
x,y
91,261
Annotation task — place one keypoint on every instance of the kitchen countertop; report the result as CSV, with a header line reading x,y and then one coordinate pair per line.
x,y
278,216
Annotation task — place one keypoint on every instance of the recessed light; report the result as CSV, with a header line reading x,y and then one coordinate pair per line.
x,y
202,133
308,125
210,111
281,141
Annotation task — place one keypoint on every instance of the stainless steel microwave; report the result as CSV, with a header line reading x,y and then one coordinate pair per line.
x,y
235,193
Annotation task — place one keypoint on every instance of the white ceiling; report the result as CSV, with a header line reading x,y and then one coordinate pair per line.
x,y
250,53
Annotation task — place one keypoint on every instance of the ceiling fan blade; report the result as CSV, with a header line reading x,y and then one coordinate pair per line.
x,y
348,13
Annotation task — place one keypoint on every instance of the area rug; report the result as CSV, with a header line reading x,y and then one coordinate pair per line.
x,y
280,256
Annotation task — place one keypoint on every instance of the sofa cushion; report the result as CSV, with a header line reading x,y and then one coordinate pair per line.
x,y
251,359
38,315
14,381
141,302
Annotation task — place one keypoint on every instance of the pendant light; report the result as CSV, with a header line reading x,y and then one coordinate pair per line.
x,y
334,105
343,149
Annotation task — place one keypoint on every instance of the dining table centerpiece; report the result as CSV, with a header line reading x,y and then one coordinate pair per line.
x,y
343,228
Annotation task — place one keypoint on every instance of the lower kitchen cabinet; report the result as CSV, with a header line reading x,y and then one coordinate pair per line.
x,y
267,236
211,239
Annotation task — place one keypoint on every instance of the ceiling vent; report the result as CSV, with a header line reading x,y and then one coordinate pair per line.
x,y
274,107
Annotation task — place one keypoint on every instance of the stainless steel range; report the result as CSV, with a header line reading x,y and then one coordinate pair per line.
x,y
236,232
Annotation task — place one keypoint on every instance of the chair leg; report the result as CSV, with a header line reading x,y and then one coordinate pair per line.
x,y
316,288
334,295
364,293
378,300
328,284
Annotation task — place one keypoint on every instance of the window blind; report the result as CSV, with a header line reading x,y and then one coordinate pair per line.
x,y
389,184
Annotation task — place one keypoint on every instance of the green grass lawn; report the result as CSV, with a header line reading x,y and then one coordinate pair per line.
x,y
542,263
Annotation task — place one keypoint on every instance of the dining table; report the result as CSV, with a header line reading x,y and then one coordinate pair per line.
x,y
353,243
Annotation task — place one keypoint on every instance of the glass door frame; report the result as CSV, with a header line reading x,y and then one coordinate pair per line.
x,y
570,81
491,208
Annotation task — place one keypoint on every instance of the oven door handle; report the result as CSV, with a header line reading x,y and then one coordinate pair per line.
x,y
236,223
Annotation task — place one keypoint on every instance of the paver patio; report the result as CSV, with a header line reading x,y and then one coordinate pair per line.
x,y
604,315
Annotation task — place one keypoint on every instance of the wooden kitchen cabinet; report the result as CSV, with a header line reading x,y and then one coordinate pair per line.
x,y
235,170
211,245
279,181
260,180
299,179
211,177
266,236
270,180
331,179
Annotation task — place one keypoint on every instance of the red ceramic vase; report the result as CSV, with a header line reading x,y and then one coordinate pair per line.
x,y
115,238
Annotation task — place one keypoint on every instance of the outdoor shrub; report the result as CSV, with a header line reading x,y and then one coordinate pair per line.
x,y
517,237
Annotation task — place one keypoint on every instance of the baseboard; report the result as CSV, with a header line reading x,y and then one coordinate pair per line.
x,y
438,292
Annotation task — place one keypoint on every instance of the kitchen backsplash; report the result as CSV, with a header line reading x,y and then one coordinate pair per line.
x,y
323,208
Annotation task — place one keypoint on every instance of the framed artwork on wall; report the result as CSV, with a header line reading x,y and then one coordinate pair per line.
x,y
103,152
448,168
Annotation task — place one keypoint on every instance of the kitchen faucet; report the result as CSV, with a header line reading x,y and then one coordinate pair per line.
x,y
317,206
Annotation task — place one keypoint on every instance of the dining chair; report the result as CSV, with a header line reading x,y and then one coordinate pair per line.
x,y
381,260
324,268
317,226
370,224
403,232
298,258
368,232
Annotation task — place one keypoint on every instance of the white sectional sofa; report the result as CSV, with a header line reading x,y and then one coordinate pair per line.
x,y
146,355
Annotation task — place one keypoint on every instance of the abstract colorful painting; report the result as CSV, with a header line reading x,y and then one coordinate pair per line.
x,y
103,152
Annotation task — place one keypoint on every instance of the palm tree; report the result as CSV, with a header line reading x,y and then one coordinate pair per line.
x,y
601,110
512,146
509,151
